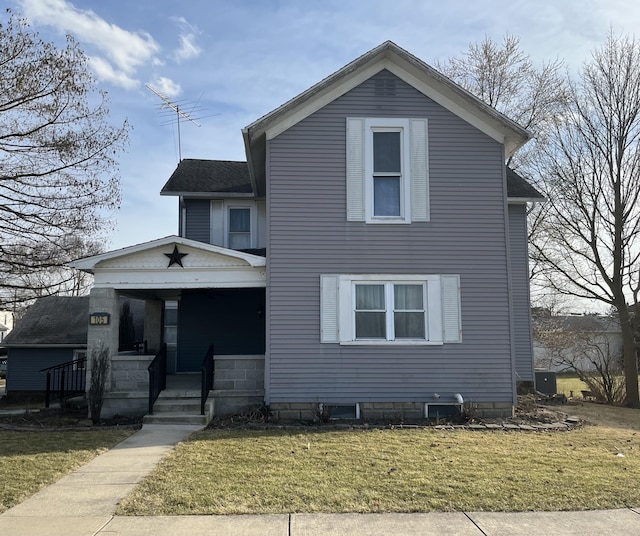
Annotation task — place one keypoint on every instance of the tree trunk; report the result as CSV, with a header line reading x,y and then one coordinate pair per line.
x,y
630,359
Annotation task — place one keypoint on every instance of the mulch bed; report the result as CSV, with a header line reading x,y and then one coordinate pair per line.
x,y
63,419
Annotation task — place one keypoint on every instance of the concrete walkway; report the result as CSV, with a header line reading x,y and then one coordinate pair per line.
x,y
83,503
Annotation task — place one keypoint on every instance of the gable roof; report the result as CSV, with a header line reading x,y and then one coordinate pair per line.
x,y
52,321
401,63
195,177
519,190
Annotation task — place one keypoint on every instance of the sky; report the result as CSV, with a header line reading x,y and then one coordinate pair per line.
x,y
228,62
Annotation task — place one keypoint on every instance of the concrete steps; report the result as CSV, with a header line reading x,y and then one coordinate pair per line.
x,y
174,408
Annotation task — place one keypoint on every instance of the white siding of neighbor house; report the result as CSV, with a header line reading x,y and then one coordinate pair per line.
x,y
309,235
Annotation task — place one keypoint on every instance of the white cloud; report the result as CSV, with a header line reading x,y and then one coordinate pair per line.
x,y
126,51
188,47
105,71
166,86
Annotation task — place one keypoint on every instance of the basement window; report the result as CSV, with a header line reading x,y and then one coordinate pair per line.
x,y
340,411
444,411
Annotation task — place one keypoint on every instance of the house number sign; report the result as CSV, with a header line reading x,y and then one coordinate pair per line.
x,y
99,319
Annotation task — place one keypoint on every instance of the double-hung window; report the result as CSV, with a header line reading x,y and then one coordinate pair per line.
x,y
387,173
390,311
239,228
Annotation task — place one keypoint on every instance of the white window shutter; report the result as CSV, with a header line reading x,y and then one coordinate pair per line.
x,y
451,316
419,170
217,223
355,169
329,308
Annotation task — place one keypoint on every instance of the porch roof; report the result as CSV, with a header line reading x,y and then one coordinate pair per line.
x,y
174,262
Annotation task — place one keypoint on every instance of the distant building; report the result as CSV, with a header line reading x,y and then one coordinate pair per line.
x,y
579,339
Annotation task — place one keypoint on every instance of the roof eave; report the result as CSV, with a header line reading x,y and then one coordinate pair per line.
x,y
208,195
45,345
525,200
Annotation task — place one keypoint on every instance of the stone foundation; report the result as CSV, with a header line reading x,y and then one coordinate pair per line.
x,y
239,373
391,411
238,385
130,404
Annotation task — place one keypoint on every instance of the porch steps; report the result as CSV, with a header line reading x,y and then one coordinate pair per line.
x,y
179,409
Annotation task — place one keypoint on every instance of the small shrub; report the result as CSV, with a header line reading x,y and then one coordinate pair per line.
x,y
99,368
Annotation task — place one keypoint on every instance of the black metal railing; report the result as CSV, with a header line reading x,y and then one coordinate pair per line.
x,y
157,376
65,380
206,378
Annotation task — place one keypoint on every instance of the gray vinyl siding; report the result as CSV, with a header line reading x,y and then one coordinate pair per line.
x,y
520,291
198,219
24,364
309,236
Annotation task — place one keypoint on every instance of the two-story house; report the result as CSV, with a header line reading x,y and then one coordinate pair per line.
x,y
370,254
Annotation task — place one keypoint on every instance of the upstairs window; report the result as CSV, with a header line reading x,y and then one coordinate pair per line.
x,y
387,170
387,173
239,228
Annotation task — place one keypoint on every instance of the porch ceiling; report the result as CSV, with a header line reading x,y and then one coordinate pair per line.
x,y
174,263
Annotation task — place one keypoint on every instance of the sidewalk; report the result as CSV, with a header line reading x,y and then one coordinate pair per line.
x,y
83,503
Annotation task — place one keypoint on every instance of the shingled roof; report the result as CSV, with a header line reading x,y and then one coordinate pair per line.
x,y
194,176
519,188
53,320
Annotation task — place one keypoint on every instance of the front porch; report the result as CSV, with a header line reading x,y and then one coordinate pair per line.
x,y
213,296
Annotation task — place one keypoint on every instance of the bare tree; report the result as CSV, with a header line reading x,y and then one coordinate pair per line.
x,y
58,169
504,77
589,244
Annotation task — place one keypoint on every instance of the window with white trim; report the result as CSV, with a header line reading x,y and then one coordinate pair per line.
x,y
390,309
387,170
239,227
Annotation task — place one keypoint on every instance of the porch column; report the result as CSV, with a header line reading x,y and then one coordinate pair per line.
x,y
153,325
103,335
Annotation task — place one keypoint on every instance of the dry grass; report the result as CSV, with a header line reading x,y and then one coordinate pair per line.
x,y
30,461
278,471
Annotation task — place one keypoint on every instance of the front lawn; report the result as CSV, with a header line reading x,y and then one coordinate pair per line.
x,y
30,461
417,470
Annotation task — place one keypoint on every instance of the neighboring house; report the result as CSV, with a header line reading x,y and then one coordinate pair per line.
x,y
563,342
6,324
52,331
371,254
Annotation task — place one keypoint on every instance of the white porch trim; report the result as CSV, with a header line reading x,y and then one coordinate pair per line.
x,y
146,266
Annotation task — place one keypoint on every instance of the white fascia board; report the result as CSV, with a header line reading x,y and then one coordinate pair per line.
x,y
90,263
525,200
464,108
319,101
183,278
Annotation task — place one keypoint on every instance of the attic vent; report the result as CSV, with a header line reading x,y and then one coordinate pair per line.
x,y
385,88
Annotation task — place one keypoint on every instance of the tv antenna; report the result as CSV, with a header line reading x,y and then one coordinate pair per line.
x,y
180,113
